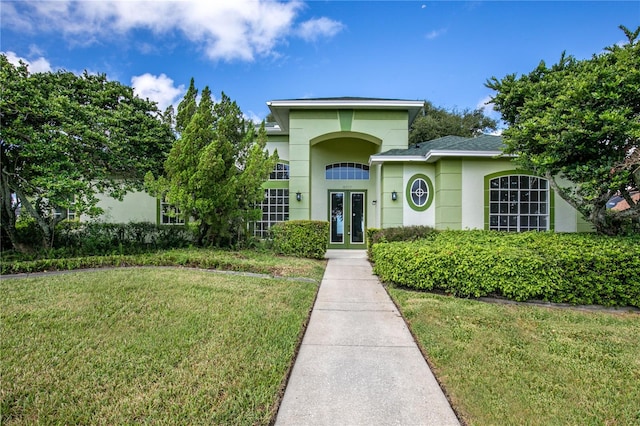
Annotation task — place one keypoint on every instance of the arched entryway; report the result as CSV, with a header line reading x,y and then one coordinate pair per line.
x,y
342,185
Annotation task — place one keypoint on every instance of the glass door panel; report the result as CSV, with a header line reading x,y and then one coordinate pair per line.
x,y
337,217
347,217
357,217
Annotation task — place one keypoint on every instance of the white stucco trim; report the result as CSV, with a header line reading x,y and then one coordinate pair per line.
x,y
435,155
281,108
341,103
379,159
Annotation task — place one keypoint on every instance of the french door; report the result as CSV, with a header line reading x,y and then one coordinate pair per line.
x,y
347,213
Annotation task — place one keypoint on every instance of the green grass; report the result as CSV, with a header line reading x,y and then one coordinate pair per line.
x,y
516,365
264,262
147,345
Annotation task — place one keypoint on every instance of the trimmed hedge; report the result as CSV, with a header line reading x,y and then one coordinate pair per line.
x,y
73,239
562,268
301,238
400,233
97,238
192,258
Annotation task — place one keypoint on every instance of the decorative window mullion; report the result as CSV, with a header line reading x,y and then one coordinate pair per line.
x,y
525,191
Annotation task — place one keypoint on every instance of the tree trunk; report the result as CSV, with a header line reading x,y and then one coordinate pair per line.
x,y
46,227
604,223
7,214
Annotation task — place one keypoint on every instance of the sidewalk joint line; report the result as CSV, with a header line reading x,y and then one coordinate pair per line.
x,y
405,346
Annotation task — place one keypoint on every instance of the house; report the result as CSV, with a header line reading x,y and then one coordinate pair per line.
x,y
618,203
347,161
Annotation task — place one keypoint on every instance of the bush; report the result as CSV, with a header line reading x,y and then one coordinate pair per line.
x,y
562,268
94,238
301,238
28,233
187,257
401,233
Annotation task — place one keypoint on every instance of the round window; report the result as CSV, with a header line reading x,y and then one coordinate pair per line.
x,y
419,192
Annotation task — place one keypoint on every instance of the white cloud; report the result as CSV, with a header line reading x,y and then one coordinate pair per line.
x,y
223,29
435,34
35,66
159,89
314,29
486,105
252,116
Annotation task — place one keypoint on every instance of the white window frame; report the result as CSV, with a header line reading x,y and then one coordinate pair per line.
x,y
174,216
519,203
275,209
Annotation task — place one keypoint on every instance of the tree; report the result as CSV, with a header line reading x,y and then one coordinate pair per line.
x,y
65,138
215,169
579,120
436,122
270,118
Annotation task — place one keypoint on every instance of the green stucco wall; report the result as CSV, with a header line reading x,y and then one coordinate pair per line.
x,y
392,180
335,151
321,137
134,207
448,197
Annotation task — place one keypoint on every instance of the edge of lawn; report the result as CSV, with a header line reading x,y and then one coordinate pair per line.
x,y
493,300
282,387
283,384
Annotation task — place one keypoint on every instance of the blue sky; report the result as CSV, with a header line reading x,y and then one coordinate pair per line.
x,y
257,50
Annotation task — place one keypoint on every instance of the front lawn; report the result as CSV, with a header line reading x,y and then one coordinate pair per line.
x,y
514,364
148,345
262,262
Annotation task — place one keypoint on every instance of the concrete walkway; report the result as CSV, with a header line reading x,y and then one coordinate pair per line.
x,y
358,363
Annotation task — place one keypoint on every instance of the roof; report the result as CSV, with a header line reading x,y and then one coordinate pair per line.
x,y
281,108
618,203
448,146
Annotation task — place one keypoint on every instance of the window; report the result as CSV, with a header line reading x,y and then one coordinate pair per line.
x,y
275,208
419,192
66,214
170,215
518,203
280,172
347,171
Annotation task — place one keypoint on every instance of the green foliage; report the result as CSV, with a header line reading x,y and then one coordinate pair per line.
x,y
96,238
579,120
27,232
567,268
65,138
245,261
400,233
215,169
154,346
437,122
302,238
509,364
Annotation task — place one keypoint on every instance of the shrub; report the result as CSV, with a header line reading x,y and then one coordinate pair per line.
x,y
93,238
401,233
301,238
28,233
568,268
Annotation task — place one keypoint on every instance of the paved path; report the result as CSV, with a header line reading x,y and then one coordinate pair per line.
x,y
358,363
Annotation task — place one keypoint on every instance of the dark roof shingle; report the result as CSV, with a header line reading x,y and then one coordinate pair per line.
x,y
488,143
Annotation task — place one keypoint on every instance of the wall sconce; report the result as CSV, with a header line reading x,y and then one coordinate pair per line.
x,y
394,196
298,196
374,202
